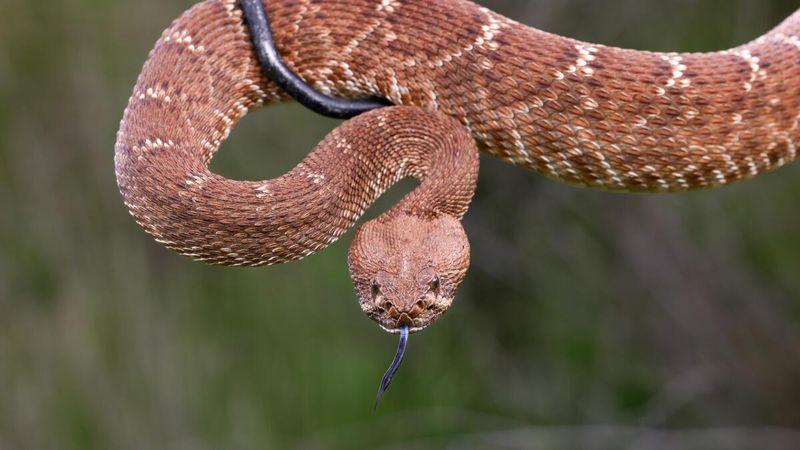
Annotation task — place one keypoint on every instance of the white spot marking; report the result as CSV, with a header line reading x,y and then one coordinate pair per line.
x,y
678,69
585,56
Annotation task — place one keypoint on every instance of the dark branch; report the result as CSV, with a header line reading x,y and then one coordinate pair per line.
x,y
274,67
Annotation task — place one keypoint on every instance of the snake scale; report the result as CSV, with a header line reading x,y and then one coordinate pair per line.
x,y
468,79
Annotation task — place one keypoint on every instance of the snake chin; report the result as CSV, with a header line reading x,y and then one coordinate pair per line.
x,y
406,269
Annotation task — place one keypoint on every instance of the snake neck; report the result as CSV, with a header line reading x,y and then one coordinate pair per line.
x,y
582,113
189,96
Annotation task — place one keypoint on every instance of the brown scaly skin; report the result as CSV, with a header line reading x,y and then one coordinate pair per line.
x,y
586,114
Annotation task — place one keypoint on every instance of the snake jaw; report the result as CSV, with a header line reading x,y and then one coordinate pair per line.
x,y
416,319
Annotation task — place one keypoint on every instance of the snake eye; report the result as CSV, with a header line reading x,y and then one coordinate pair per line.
x,y
435,283
373,286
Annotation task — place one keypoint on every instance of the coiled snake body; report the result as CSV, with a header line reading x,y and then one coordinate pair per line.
x,y
582,113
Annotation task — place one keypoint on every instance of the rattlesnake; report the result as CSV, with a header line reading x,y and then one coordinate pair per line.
x,y
586,114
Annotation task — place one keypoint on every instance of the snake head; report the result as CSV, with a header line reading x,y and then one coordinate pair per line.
x,y
406,269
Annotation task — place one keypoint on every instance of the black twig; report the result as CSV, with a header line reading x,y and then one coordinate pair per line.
x,y
274,67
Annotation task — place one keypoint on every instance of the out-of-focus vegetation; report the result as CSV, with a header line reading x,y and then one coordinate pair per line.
x,y
588,320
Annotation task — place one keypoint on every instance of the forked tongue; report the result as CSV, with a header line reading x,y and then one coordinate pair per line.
x,y
398,359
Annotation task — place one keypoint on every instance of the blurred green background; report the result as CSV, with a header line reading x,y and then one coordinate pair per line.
x,y
588,320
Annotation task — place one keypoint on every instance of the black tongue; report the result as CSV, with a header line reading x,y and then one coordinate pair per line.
x,y
398,359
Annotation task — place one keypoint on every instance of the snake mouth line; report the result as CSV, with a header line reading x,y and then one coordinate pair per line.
x,y
397,330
